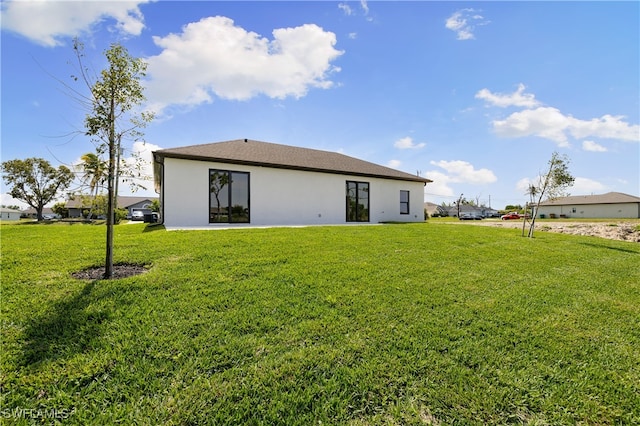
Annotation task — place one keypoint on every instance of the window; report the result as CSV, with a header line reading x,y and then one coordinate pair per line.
x,y
404,202
357,201
228,196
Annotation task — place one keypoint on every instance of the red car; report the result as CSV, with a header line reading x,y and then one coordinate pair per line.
x,y
509,216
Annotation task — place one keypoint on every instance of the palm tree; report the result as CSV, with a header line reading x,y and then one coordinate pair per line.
x,y
95,173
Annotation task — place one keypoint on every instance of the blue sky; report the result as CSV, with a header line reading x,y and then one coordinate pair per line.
x,y
473,95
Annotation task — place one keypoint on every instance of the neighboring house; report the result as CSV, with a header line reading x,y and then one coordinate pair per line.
x,y
464,209
609,205
9,214
489,212
481,211
124,202
431,208
31,213
264,184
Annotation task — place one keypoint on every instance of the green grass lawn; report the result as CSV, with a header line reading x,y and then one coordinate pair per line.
x,y
359,325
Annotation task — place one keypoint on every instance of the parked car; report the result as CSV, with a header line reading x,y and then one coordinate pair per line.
x,y
470,216
510,216
137,215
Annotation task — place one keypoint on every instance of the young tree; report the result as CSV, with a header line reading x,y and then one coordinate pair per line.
x,y
35,181
114,96
552,184
155,206
460,201
218,181
95,173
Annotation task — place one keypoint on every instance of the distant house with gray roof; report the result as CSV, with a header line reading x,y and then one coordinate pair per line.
x,y
31,213
612,205
9,214
247,182
76,205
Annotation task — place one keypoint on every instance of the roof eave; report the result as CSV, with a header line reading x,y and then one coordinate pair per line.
x,y
161,155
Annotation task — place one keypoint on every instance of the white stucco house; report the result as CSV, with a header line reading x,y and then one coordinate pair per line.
x,y
9,214
610,205
246,182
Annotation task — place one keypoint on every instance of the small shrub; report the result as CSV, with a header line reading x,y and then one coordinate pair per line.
x,y
120,214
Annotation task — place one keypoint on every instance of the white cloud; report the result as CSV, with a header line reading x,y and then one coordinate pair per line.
x,y
517,98
592,146
47,22
550,123
607,127
345,8
463,172
585,186
394,164
545,122
407,143
581,186
365,6
440,185
523,185
215,57
455,172
464,22
349,11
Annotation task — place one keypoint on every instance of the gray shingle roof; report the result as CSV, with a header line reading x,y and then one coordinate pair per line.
x,y
250,152
608,198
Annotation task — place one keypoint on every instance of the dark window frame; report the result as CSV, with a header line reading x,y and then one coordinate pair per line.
x,y
361,213
229,201
405,204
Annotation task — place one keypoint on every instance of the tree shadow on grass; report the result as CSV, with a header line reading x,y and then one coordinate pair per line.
x,y
625,250
68,327
151,227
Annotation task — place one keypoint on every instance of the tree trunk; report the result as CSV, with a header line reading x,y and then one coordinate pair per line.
x,y
118,155
108,263
39,209
534,212
541,192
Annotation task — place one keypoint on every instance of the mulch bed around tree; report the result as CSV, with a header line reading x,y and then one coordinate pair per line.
x,y
120,270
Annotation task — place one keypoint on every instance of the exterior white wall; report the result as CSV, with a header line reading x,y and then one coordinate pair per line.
x,y
10,215
281,196
592,211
